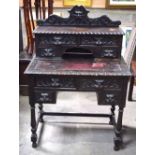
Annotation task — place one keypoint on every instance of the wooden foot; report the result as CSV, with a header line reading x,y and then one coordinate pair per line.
x,y
117,143
34,145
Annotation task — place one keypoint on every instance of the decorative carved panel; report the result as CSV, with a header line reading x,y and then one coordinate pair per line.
x,y
79,17
55,82
46,52
56,40
99,40
100,84
110,52
109,98
45,97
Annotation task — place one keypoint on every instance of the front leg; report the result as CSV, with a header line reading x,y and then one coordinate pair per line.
x,y
33,126
112,117
40,111
118,128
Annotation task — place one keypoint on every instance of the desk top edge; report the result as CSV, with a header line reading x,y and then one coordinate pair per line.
x,y
89,67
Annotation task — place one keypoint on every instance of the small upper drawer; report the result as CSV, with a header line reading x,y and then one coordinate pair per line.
x,y
109,98
48,40
46,52
101,40
44,96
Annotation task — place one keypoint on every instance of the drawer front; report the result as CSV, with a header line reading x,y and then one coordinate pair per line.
x,y
98,45
99,52
44,96
98,40
46,52
48,40
100,83
55,82
109,98
101,40
79,83
109,52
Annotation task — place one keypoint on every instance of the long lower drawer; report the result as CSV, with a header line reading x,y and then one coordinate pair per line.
x,y
77,83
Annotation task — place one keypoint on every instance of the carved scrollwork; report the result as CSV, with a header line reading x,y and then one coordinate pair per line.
x,y
109,53
56,40
52,82
55,82
79,17
100,84
44,97
47,52
98,40
110,98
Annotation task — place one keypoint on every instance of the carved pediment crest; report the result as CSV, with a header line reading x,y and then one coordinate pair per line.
x,y
78,16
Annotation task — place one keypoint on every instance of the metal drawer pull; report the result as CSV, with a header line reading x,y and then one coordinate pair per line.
x,y
44,97
44,94
110,98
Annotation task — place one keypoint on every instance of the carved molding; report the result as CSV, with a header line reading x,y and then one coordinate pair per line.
x,y
79,17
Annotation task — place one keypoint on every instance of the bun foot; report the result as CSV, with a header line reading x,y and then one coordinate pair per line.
x,y
117,143
116,148
34,145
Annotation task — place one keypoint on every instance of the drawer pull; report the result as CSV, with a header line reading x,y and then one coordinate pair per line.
x,y
109,53
44,94
47,52
44,97
110,98
98,83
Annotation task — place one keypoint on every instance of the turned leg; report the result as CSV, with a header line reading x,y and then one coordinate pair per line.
x,y
112,115
118,128
40,111
33,126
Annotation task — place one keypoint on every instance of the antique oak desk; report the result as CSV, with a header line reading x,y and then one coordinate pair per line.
x,y
78,53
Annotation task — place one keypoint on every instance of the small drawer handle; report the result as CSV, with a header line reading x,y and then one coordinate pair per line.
x,y
110,98
47,52
44,97
44,94
110,95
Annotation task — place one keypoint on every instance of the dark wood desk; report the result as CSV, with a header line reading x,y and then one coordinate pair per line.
x,y
107,77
